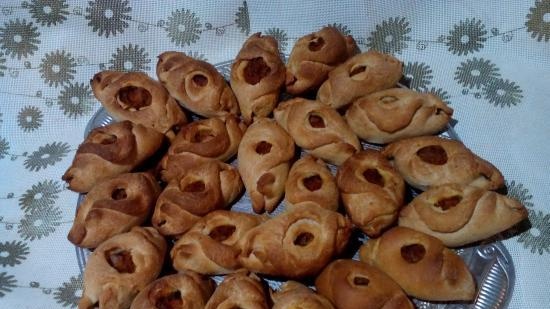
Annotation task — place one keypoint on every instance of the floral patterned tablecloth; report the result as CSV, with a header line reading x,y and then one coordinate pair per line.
x,y
490,60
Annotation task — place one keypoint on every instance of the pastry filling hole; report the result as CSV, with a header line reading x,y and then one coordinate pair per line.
x,y
121,260
256,69
361,281
119,194
316,121
433,154
413,253
169,301
388,99
448,202
357,70
134,97
316,44
200,80
195,186
263,147
105,138
222,232
201,136
303,239
313,183
373,176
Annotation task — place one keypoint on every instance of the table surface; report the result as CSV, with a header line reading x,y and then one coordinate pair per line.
x,y
489,61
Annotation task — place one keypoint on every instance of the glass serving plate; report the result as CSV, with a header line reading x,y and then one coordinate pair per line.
x,y
490,262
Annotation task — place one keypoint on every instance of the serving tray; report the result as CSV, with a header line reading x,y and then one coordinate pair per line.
x,y
490,263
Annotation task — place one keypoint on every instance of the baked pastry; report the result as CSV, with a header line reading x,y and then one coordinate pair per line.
x,y
196,84
389,115
318,129
459,215
428,161
264,155
314,56
210,246
293,294
121,267
257,76
205,188
239,290
216,138
113,207
183,290
350,284
310,181
295,244
421,265
110,151
372,191
360,75
136,97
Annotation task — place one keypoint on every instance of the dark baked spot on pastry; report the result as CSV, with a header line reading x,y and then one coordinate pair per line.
x,y
169,301
357,70
433,154
303,239
448,202
316,44
413,253
373,176
119,194
361,281
256,69
121,260
222,232
263,147
136,97
195,186
316,121
200,80
388,99
201,136
313,183
105,138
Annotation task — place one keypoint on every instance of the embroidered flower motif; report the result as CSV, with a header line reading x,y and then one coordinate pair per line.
x,y
57,68
466,37
419,74
130,58
12,253
503,93
520,193
476,72
537,238
46,155
30,118
49,12
183,27
281,37
3,67
108,17
342,28
4,147
439,92
7,282
42,194
75,100
19,39
196,55
39,223
538,20
243,19
390,36
68,294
